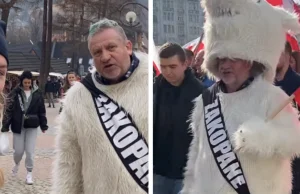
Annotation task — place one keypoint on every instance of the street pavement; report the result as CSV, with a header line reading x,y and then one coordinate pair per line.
x,y
44,155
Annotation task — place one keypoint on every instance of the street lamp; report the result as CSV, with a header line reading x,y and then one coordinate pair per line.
x,y
131,17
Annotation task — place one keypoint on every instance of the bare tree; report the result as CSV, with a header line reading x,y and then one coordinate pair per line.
x,y
7,5
35,24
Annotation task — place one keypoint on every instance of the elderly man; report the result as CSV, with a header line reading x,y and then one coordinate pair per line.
x,y
238,146
103,132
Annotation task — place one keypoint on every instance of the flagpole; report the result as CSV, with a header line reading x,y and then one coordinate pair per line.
x,y
197,47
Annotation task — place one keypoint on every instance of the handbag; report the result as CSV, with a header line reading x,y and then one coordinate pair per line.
x,y
30,121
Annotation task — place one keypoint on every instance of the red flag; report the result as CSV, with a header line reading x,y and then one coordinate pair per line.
x,y
297,96
293,42
157,72
275,2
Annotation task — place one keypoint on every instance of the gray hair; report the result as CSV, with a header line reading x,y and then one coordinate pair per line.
x,y
103,25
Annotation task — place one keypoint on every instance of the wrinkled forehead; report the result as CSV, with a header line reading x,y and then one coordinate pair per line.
x,y
105,37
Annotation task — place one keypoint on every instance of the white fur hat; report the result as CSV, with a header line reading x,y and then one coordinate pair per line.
x,y
252,30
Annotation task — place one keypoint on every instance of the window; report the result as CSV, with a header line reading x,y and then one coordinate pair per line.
x,y
164,4
190,18
173,30
165,29
169,29
181,29
165,16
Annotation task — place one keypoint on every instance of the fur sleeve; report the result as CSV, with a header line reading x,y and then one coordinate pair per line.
x,y
67,177
194,147
280,136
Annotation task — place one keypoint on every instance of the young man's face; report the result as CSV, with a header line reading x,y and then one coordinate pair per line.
x,y
173,69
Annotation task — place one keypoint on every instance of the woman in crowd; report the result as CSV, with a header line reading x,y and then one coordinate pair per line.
x,y
24,113
3,71
68,82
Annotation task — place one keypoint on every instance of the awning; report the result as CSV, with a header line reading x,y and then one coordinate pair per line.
x,y
20,72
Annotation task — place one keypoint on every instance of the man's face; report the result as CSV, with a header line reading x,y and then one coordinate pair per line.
x,y
111,54
198,61
232,71
173,69
284,61
3,71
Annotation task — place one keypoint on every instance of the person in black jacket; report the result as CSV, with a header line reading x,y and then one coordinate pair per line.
x,y
25,112
174,92
289,81
50,90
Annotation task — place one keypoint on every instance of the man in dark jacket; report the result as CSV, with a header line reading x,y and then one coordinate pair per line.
x,y
50,90
289,81
174,91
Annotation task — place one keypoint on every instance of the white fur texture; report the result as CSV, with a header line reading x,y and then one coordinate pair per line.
x,y
85,160
265,155
252,30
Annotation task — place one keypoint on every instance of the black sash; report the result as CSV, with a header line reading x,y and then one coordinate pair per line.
x,y
122,133
220,145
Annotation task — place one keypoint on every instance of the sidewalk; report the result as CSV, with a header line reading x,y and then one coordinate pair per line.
x,y
43,162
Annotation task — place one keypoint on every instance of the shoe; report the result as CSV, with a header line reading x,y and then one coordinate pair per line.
x,y
29,180
15,170
49,106
53,106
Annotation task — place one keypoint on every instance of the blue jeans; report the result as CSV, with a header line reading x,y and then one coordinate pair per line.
x,y
164,185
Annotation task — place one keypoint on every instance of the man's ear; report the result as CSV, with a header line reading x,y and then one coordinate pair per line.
x,y
128,45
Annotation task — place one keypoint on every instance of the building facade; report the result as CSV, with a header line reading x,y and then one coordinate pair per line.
x,y
176,21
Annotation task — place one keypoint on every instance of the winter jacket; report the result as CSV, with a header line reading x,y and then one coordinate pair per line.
x,y
86,162
266,148
50,87
171,135
14,116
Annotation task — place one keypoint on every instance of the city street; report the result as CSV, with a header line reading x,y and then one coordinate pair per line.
x,y
43,163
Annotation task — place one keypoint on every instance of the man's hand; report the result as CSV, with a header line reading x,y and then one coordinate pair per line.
x,y
44,131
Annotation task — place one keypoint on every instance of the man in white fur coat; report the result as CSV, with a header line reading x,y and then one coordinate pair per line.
x,y
101,146
234,149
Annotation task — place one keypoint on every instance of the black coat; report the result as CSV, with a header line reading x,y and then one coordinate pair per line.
x,y
50,87
171,133
14,116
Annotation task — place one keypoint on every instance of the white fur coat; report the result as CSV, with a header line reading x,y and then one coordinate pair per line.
x,y
267,149
85,160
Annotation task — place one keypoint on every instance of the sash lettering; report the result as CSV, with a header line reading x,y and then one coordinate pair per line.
x,y
123,135
220,145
